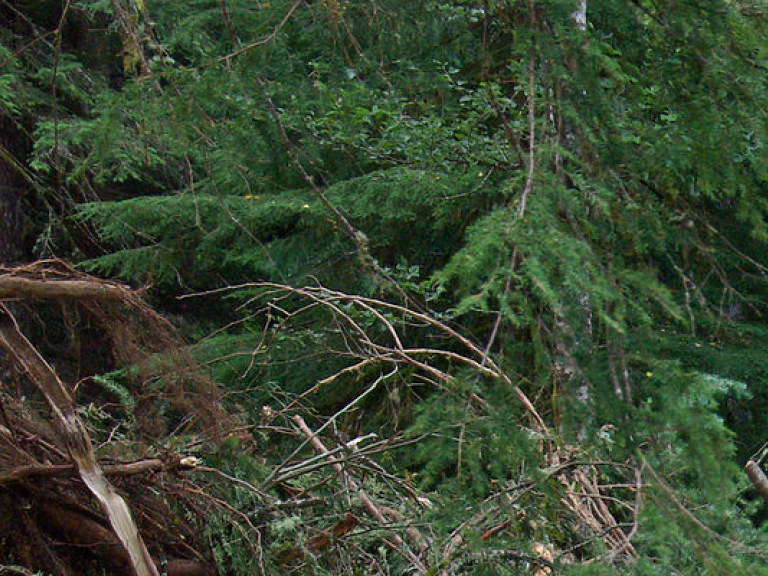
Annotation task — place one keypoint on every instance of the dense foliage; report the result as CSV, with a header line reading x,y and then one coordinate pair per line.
x,y
528,255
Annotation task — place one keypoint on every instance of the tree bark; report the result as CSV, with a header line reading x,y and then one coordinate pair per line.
x,y
580,15
12,188
758,478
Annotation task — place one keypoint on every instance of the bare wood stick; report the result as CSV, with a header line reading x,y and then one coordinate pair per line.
x,y
366,501
77,440
63,470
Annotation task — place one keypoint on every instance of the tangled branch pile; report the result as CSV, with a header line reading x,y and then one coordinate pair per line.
x,y
66,461
70,465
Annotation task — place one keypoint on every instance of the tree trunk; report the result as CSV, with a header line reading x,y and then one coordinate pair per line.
x,y
11,192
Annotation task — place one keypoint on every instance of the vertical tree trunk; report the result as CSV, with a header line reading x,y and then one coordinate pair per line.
x,y
580,15
12,187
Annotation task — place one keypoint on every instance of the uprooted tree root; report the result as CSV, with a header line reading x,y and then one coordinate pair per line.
x,y
63,509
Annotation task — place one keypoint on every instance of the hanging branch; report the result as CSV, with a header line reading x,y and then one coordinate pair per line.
x,y
355,235
528,187
670,493
358,237
266,40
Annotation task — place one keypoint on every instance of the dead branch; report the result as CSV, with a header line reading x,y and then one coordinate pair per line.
x,y
65,470
583,497
332,299
14,287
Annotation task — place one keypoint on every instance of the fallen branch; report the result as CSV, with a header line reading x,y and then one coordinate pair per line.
x,y
66,470
13,287
333,299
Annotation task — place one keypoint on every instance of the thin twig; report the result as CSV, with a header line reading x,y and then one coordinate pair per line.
x,y
267,39
270,479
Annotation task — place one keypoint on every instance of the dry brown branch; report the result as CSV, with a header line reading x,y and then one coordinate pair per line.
x,y
122,470
428,319
55,279
584,499
332,299
14,287
635,514
493,530
42,458
326,537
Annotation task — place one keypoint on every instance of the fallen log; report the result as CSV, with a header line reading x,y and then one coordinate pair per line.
x,y
15,287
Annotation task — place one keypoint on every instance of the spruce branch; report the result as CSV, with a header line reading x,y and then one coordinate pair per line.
x,y
670,493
